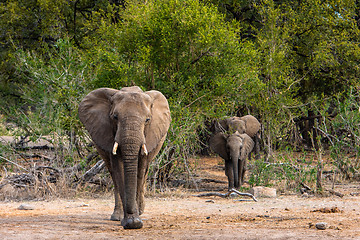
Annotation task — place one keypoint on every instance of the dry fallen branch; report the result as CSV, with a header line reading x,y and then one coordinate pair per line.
x,y
226,195
38,168
305,188
335,193
93,171
26,156
209,180
14,163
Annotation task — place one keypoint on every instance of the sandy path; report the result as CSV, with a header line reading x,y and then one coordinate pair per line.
x,y
286,217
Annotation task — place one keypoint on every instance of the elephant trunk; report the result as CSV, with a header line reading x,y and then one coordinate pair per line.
x,y
130,173
132,142
235,162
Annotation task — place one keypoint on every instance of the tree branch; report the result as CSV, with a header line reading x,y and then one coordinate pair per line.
x,y
226,195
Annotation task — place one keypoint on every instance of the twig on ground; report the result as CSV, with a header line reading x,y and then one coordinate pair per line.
x,y
305,186
26,156
14,163
208,180
226,195
47,167
243,194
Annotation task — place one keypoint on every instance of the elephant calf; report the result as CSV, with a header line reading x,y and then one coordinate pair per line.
x,y
128,128
234,149
246,124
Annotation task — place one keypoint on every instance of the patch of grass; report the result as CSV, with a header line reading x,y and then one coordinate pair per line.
x,y
285,171
3,130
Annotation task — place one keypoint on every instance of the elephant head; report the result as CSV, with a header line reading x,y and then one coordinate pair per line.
x,y
234,149
126,125
246,124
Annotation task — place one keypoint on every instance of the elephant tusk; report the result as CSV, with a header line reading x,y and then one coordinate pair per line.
x,y
144,149
115,148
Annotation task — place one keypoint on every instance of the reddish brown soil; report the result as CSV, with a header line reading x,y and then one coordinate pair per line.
x,y
180,215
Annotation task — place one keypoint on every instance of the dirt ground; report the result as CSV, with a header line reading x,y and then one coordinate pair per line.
x,y
181,215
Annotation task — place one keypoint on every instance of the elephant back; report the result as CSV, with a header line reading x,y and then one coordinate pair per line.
x,y
252,125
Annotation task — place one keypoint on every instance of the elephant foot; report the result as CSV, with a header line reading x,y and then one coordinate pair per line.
x,y
132,223
116,216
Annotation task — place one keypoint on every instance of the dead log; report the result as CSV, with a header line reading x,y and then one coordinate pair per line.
x,y
92,171
335,193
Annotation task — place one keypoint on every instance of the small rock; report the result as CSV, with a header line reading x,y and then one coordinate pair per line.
x,y
321,225
26,207
210,201
263,192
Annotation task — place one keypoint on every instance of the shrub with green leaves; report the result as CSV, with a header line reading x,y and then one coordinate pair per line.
x,y
56,82
184,49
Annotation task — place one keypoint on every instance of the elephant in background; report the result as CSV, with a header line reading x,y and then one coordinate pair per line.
x,y
234,149
246,124
128,128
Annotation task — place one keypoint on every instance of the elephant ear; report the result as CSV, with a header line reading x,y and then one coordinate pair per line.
x,y
160,120
221,126
248,145
94,112
217,143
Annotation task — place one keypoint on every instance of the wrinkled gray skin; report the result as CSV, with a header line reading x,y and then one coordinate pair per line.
x,y
128,128
234,149
247,124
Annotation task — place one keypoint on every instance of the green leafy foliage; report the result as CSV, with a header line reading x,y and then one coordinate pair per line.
x,y
277,60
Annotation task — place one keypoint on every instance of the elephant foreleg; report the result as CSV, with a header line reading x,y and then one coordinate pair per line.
x,y
236,164
257,146
117,175
118,213
142,175
242,169
229,172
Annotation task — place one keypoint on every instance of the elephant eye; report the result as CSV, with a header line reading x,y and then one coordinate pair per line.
x,y
115,116
147,120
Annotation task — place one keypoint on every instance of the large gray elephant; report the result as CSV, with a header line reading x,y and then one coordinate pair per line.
x,y
128,127
234,149
246,124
